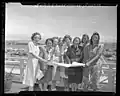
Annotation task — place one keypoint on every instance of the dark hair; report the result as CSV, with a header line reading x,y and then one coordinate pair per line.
x,y
59,39
95,33
84,36
67,36
48,40
55,38
76,38
34,34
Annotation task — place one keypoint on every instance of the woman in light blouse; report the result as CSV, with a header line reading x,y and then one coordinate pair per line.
x,y
55,72
66,46
48,68
32,67
94,51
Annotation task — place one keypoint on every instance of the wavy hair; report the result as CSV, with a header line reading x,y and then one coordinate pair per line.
x,y
48,40
67,36
34,34
95,33
86,36
76,38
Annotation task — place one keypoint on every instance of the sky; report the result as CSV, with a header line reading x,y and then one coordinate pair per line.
x,y
21,21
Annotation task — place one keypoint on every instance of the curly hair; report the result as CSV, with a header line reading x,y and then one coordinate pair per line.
x,y
95,33
76,38
34,34
55,38
84,36
67,36
48,40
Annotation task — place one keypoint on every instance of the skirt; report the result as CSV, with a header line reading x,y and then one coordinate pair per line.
x,y
86,72
47,76
75,75
57,75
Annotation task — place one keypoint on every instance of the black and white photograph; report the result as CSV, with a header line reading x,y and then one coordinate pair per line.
x,y
60,48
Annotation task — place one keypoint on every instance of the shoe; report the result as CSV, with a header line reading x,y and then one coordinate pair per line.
x,y
85,89
31,89
40,86
49,86
66,89
95,89
64,76
45,89
54,89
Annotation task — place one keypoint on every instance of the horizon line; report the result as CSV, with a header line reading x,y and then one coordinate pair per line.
x,y
44,39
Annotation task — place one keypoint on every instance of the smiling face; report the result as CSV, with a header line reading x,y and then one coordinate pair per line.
x,y
55,42
95,39
76,41
67,40
60,41
85,39
37,38
49,43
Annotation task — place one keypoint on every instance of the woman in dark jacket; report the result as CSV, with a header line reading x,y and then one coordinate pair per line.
x,y
75,54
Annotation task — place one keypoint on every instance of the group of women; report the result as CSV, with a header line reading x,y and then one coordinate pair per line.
x,y
41,70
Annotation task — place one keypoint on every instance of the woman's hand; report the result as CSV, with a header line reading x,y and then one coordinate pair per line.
x,y
87,64
49,62
43,60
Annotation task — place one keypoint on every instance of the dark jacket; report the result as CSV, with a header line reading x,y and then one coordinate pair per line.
x,y
75,54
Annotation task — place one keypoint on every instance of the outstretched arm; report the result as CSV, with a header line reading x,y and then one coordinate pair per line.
x,y
97,56
31,52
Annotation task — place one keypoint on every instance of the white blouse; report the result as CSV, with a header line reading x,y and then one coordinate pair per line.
x,y
33,48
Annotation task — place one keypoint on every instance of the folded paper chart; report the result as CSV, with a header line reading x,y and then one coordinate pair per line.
x,y
74,64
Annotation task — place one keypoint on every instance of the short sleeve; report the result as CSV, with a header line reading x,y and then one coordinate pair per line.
x,y
30,47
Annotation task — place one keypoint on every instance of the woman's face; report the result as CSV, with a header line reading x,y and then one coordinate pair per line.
x,y
67,40
49,43
76,41
61,41
95,39
37,38
55,42
85,39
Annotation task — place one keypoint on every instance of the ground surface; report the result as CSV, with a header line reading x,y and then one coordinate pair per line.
x,y
17,87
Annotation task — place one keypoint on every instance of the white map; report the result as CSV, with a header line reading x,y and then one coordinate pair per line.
x,y
74,64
